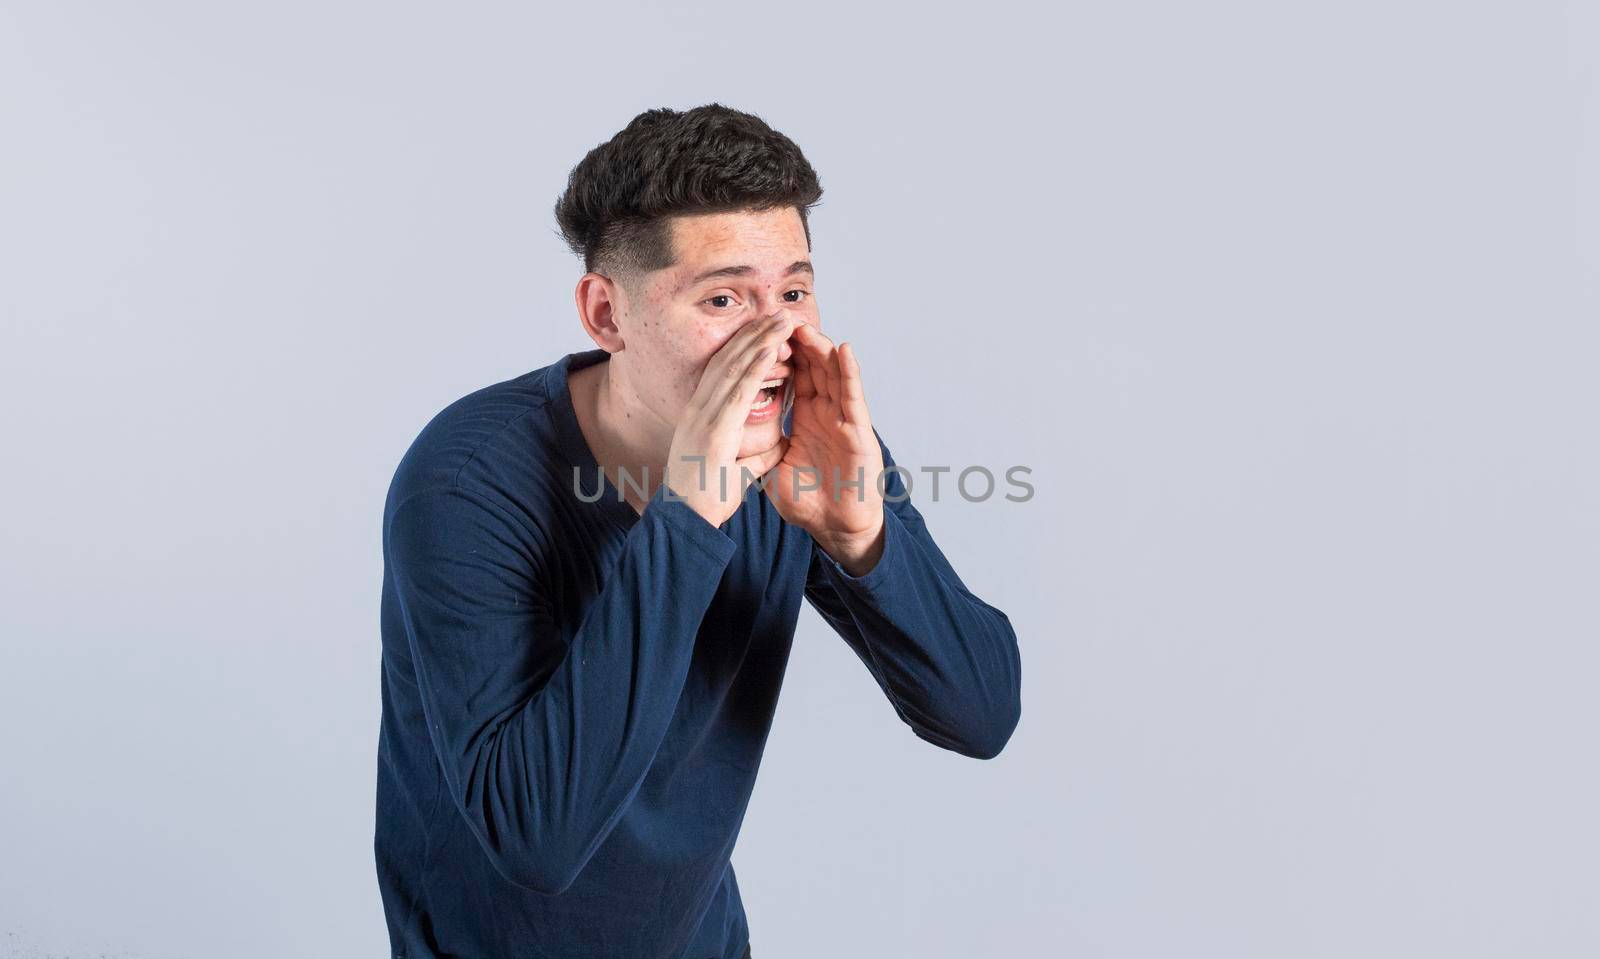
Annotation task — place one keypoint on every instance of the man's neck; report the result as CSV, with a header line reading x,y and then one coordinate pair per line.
x,y
614,435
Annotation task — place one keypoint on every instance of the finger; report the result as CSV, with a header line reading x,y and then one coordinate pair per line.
x,y
736,403
812,341
774,332
801,364
817,349
854,398
777,329
744,340
741,351
835,376
768,333
733,353
727,363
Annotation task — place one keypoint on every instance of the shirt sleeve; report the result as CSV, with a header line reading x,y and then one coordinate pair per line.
x,y
947,660
544,743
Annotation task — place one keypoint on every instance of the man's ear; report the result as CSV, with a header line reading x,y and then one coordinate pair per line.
x,y
600,301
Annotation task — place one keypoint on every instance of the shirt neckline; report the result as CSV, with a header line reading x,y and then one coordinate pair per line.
x,y
611,502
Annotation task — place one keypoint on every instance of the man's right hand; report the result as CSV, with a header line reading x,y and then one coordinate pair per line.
x,y
705,445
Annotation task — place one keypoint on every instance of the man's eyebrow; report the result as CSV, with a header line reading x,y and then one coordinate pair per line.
x,y
798,266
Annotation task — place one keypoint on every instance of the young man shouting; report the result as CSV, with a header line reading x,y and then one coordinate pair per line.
x,y
592,574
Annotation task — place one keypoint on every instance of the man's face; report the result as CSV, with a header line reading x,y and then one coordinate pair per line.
x,y
729,269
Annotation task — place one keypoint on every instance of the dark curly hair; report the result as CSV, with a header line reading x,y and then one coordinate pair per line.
x,y
620,197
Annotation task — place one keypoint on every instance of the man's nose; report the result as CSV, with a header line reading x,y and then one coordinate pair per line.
x,y
784,351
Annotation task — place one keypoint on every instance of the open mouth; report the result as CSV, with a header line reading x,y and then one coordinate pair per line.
x,y
770,393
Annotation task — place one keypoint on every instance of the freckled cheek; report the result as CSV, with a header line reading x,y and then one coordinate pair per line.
x,y
703,341
691,352
663,361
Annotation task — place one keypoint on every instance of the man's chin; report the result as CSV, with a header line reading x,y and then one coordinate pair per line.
x,y
760,438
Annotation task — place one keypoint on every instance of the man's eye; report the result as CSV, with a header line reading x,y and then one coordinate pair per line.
x,y
802,295
720,296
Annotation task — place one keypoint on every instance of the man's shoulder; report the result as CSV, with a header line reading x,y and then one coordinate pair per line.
x,y
497,436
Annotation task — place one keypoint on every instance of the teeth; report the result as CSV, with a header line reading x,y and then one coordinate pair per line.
x,y
771,383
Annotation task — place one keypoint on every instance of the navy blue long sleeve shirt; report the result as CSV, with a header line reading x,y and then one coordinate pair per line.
x,y
576,696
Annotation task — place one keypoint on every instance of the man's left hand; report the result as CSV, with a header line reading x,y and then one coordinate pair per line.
x,y
831,443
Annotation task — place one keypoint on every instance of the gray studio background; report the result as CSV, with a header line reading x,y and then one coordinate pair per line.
x,y
1291,308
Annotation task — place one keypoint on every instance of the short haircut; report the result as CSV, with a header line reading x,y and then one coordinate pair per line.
x,y
615,212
